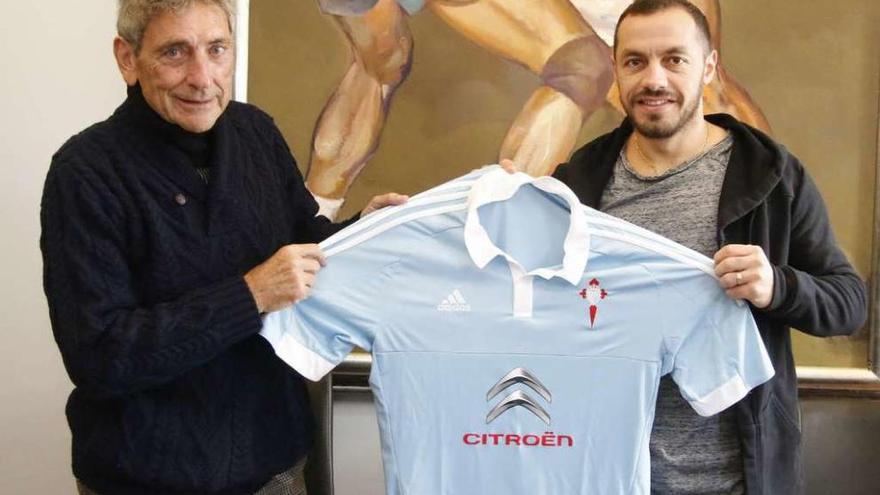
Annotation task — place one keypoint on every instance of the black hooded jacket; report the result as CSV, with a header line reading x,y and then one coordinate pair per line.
x,y
768,200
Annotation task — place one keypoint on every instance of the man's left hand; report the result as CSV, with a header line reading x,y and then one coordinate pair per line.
x,y
383,200
745,273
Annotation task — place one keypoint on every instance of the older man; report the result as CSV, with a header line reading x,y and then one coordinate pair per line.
x,y
167,230
717,183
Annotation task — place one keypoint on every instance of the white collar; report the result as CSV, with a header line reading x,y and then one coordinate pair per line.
x,y
498,185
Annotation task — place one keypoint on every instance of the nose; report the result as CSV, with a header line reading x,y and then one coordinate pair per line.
x,y
199,71
655,76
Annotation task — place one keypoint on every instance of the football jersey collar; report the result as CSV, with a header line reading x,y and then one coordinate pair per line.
x,y
498,185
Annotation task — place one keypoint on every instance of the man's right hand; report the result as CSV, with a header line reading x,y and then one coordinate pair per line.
x,y
286,278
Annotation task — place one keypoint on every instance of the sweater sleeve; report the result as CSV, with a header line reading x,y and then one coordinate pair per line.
x,y
113,344
818,291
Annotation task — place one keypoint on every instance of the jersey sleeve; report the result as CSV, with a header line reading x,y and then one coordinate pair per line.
x,y
717,354
343,309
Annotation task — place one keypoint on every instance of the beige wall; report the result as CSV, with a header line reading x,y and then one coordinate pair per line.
x,y
57,77
813,67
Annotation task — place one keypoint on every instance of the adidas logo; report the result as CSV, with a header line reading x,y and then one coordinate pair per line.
x,y
454,302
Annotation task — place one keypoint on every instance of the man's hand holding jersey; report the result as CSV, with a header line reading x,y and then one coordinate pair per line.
x,y
286,278
745,273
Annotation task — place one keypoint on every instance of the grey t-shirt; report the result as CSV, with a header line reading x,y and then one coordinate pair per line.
x,y
689,454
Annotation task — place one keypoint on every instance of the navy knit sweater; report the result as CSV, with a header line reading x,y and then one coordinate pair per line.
x,y
143,270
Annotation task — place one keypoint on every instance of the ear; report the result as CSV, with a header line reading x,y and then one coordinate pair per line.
x,y
126,60
711,67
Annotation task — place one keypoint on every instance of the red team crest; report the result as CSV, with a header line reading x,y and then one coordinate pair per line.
x,y
593,293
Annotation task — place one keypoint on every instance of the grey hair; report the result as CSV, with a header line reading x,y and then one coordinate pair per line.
x,y
135,15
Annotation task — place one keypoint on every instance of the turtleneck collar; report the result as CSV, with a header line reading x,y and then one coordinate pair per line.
x,y
195,146
162,147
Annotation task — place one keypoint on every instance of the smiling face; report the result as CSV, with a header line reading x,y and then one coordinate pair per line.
x,y
185,65
661,65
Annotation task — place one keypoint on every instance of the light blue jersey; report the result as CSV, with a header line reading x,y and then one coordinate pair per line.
x,y
518,337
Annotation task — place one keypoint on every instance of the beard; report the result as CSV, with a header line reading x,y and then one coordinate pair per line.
x,y
655,126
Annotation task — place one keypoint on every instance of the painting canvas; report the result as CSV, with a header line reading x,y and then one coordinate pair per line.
x,y
378,95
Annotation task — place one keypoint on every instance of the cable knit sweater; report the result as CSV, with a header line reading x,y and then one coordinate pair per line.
x,y
143,270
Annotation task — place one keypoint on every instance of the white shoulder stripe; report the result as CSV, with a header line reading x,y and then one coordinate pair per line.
x,y
375,219
600,219
464,182
705,265
369,234
459,184
660,241
448,191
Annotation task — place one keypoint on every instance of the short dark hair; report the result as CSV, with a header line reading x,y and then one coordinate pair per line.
x,y
648,7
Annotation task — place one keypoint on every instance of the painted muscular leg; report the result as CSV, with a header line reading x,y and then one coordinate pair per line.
x,y
551,39
348,130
